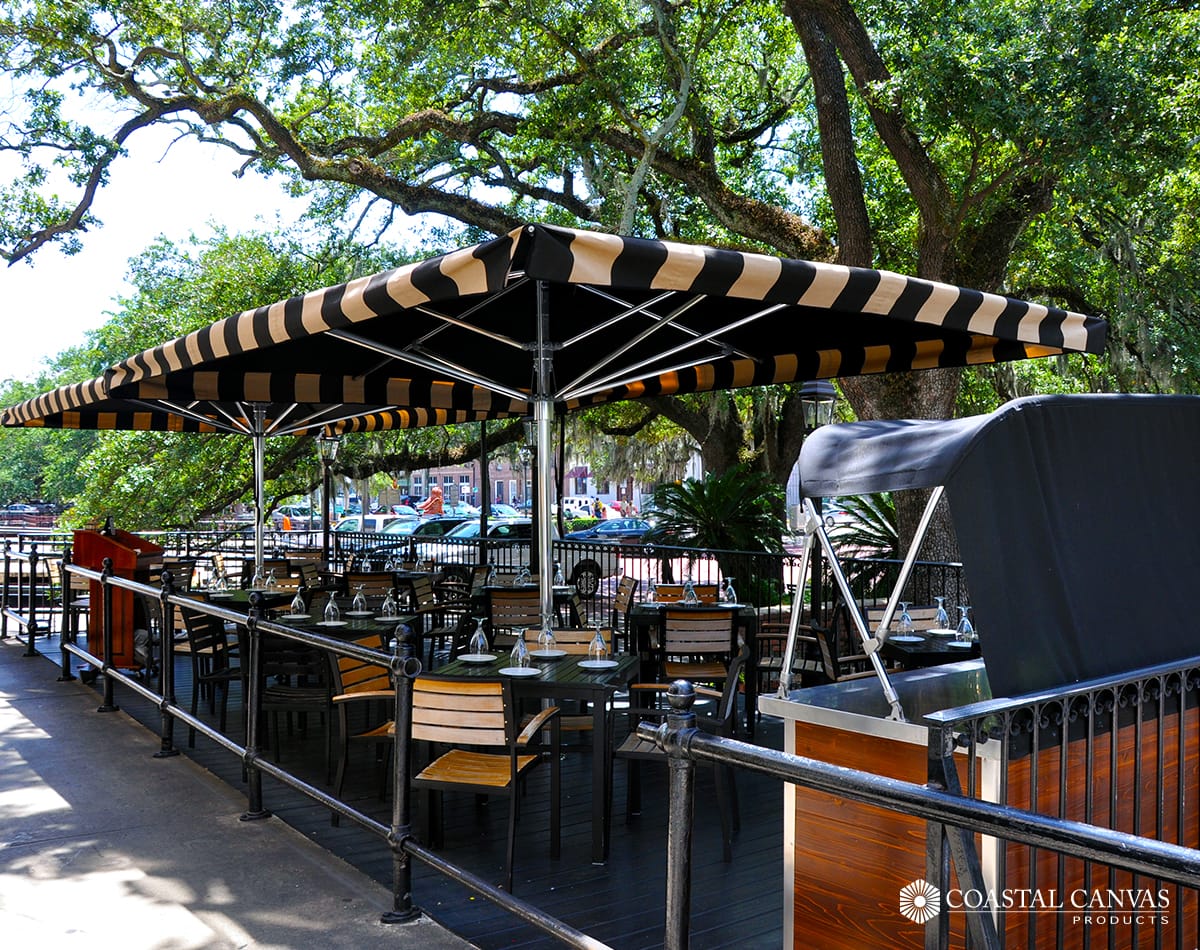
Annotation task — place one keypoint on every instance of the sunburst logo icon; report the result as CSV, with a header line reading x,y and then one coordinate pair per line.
x,y
920,901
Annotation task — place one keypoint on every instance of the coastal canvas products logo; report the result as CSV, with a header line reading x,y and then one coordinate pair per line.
x,y
920,901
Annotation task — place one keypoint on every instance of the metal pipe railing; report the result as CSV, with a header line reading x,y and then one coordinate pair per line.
x,y
405,666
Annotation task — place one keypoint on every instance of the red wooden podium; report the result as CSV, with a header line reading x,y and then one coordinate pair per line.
x,y
132,557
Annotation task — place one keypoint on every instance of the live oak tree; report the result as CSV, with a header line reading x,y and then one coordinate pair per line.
x,y
1043,149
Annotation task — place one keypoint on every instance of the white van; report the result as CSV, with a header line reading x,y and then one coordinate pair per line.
x,y
576,506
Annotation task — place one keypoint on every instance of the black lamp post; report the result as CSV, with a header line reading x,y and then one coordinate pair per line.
x,y
327,449
817,401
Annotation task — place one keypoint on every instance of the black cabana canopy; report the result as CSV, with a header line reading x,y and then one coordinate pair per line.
x,y
1076,518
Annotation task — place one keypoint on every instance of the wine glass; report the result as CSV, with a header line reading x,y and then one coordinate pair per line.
x,y
519,656
359,604
727,594
546,641
906,623
523,576
560,579
598,649
332,613
270,583
942,620
298,605
966,631
491,575
256,581
479,643
389,607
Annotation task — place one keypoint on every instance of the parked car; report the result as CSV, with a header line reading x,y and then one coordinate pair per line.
x,y
405,533
619,530
460,508
501,510
366,523
405,511
300,517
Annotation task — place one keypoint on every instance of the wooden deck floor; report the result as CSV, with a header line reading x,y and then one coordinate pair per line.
x,y
621,903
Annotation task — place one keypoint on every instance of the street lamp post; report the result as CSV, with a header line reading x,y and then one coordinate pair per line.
x,y
327,449
817,401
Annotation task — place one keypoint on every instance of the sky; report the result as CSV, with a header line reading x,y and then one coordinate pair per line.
x,y
52,304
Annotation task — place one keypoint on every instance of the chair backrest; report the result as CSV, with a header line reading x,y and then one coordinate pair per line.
x,y
697,630
479,576
573,640
829,660
471,712
626,594
922,617
373,583
669,593
352,675
516,608
206,635
310,573
423,593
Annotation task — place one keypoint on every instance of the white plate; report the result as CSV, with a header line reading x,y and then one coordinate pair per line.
x,y
960,644
942,632
905,639
295,616
383,619
547,654
332,623
359,613
219,595
597,664
520,671
477,657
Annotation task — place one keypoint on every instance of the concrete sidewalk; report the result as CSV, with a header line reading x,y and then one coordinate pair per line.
x,y
103,846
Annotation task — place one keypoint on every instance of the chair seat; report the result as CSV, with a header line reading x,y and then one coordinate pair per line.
x,y
635,747
460,766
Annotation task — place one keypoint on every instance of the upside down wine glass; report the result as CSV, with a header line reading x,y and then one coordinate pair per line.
x,y
942,620
332,612
598,649
359,604
906,624
479,643
966,631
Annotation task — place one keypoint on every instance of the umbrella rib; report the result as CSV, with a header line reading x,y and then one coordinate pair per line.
x,y
628,311
280,419
437,365
658,324
462,319
328,416
188,412
633,373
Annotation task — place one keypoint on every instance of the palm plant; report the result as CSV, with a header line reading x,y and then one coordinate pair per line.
x,y
737,510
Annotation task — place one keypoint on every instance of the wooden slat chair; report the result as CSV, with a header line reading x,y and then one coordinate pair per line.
x,y
471,715
510,612
671,593
573,641
627,588
213,669
722,721
277,564
838,668
295,680
772,643
366,686
698,643
310,573
80,600
437,614
923,618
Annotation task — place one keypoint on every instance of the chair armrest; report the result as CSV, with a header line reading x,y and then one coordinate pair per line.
x,y
367,694
536,724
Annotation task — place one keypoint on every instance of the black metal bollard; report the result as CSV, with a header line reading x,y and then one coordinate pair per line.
x,y
253,776
31,627
674,735
405,668
69,620
106,573
7,590
167,667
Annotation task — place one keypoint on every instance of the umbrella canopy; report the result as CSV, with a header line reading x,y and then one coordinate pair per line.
x,y
552,319
89,405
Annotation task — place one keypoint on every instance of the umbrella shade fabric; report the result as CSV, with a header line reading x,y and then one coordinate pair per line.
x,y
88,405
621,318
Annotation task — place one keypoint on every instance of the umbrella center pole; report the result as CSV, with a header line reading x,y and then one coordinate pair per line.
x,y
259,437
543,417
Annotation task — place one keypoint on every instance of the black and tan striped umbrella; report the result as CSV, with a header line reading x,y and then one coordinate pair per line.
x,y
88,405
620,318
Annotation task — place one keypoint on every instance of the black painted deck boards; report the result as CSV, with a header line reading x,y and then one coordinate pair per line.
x,y
621,903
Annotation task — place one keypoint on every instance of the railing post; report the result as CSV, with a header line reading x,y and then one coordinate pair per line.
x,y
405,668
31,627
69,621
7,590
106,600
166,652
254,810
680,725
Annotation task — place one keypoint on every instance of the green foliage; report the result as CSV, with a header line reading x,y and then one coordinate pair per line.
x,y
737,510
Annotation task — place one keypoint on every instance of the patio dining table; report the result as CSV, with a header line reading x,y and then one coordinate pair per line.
x,y
927,649
566,679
